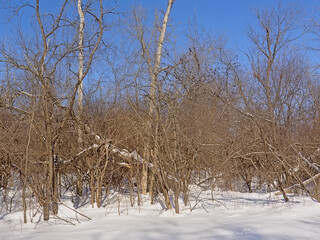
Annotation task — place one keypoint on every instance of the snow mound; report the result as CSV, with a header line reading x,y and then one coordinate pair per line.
x,y
209,215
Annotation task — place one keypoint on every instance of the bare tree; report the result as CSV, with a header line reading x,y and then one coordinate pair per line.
x,y
280,83
151,150
44,64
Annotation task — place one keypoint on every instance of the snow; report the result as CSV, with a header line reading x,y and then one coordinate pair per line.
x,y
210,215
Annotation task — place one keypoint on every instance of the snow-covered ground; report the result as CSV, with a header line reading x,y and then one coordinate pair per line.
x,y
229,215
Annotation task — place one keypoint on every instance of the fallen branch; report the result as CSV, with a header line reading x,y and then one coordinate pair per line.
x,y
81,214
298,185
307,160
122,152
65,220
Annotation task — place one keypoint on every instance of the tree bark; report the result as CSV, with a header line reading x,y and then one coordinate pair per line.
x,y
81,69
154,74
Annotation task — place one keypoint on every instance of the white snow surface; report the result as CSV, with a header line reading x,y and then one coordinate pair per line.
x,y
214,215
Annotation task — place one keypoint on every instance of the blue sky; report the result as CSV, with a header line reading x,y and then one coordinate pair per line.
x,y
229,18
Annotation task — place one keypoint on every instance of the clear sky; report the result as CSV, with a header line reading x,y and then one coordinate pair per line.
x,y
227,17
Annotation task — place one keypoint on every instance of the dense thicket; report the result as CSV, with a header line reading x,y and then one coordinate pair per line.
x,y
91,103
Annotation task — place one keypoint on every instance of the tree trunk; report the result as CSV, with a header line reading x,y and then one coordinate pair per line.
x,y
49,146
131,188
151,186
46,208
283,192
144,177
166,197
318,190
24,203
92,188
81,69
176,199
79,186
185,197
55,192
59,184
154,74
99,192
248,180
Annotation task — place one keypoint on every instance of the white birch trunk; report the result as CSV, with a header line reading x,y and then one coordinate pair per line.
x,y
154,81
81,69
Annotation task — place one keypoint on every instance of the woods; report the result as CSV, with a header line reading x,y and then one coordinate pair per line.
x,y
96,100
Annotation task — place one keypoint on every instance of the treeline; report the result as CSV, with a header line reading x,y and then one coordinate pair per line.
x,y
94,101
